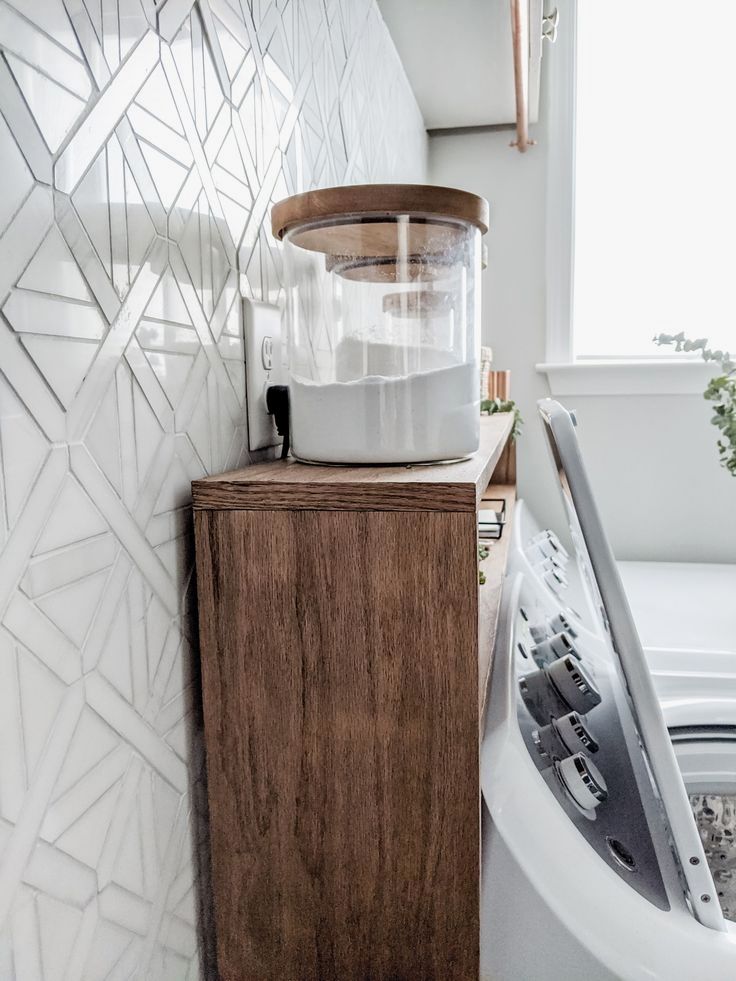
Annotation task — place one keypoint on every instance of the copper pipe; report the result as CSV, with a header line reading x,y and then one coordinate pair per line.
x,y
520,41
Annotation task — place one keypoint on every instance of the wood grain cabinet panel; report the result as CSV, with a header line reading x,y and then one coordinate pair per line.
x,y
340,667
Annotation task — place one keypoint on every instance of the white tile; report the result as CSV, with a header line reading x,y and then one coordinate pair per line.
x,y
139,224
200,159
135,161
190,397
124,386
84,250
171,654
48,572
151,866
102,438
155,97
24,451
63,361
27,828
175,491
102,625
93,741
123,525
6,954
90,193
54,270
170,351
85,834
58,924
126,815
232,50
200,324
171,524
88,35
217,66
114,662
119,214
103,117
132,23
41,694
85,934
150,402
22,237
30,386
26,948
108,946
40,51
180,900
54,108
126,909
168,175
20,542
172,14
72,608
12,758
17,179
56,874
30,312
108,703
51,18
116,340
36,632
218,130
166,875
148,126
73,518
139,595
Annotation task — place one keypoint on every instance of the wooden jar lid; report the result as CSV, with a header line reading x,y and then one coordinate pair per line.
x,y
323,213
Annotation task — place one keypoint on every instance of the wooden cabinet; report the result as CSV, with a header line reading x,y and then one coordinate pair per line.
x,y
339,616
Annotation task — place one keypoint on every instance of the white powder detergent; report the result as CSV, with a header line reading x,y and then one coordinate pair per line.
x,y
414,418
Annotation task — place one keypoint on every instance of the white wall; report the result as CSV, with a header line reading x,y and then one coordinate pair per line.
x,y
652,459
142,145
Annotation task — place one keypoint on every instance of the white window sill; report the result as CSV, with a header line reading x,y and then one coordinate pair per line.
x,y
628,377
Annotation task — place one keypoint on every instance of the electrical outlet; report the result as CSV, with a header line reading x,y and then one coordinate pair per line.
x,y
262,323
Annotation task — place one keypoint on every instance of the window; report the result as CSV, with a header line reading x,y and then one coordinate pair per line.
x,y
655,177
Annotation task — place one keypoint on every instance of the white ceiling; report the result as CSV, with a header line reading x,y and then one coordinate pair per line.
x,y
457,55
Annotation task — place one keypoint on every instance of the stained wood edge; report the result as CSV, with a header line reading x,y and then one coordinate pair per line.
x,y
378,200
489,602
336,497
281,486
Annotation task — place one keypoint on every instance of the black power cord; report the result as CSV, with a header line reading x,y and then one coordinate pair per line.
x,y
277,403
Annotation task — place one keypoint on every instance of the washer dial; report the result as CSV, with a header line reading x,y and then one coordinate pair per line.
x,y
582,780
549,649
572,684
574,734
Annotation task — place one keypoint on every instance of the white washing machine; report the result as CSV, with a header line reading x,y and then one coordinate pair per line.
x,y
593,864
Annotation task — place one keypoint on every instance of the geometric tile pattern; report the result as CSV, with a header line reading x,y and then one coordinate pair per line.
x,y
142,145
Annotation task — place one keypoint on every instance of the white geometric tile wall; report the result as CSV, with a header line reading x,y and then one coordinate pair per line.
x,y
141,147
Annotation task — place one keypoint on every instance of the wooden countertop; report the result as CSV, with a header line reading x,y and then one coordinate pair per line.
x,y
290,485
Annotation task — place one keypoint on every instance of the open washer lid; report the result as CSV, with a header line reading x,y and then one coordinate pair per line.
x,y
599,568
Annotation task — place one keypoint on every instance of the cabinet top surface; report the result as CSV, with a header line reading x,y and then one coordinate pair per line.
x,y
288,484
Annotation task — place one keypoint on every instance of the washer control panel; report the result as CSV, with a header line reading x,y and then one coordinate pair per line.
x,y
575,730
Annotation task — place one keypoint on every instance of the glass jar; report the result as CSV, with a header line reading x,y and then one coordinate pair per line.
x,y
382,322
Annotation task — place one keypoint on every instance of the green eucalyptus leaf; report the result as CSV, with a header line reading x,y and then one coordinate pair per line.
x,y
720,390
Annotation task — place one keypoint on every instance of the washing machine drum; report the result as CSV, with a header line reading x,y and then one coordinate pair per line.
x,y
707,759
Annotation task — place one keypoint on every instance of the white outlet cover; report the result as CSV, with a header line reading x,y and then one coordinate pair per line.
x,y
262,324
